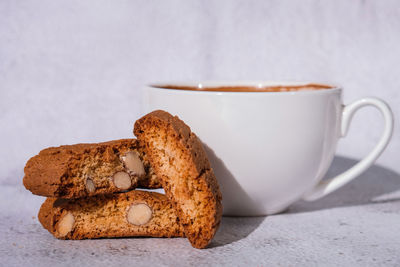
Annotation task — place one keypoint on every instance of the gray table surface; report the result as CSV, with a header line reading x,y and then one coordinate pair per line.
x,y
359,225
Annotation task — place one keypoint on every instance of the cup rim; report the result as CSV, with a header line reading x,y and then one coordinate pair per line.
x,y
210,83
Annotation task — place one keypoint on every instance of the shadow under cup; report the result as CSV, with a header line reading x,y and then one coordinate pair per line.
x,y
269,143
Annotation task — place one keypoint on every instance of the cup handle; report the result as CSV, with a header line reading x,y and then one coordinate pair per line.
x,y
327,186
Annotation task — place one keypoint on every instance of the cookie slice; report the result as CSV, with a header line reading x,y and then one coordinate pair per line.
x,y
83,170
179,160
135,213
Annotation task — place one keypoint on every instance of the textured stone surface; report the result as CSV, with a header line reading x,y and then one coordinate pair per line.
x,y
356,226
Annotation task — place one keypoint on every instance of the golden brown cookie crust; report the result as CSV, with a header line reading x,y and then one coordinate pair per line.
x,y
82,170
109,216
179,160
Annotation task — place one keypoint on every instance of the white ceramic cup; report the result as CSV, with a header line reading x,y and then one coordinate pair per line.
x,y
269,149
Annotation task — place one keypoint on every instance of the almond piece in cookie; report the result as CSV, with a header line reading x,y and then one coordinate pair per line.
x,y
133,163
122,180
139,214
65,225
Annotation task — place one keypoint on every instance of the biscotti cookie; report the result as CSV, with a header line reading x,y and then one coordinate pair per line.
x,y
83,170
179,160
135,213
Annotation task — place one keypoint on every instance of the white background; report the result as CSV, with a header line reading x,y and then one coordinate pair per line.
x,y
72,71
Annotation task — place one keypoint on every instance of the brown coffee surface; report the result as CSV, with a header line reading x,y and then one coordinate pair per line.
x,y
279,88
